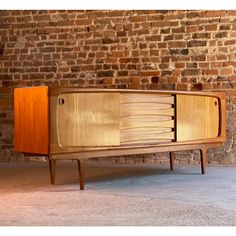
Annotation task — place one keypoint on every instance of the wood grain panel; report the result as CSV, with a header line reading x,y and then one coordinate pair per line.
x,y
146,118
88,119
136,110
147,130
146,121
148,98
145,106
144,142
139,135
31,129
197,117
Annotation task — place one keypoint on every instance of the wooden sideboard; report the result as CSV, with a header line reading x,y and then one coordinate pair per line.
x,y
74,123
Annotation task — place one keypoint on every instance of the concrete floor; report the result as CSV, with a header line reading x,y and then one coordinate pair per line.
x,y
117,195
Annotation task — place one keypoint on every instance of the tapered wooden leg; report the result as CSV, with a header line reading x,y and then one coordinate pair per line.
x,y
81,167
52,168
203,156
172,158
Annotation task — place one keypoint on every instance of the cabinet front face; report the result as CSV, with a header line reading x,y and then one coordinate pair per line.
x,y
88,119
93,120
197,117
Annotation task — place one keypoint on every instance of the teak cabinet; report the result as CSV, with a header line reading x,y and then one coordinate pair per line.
x,y
74,123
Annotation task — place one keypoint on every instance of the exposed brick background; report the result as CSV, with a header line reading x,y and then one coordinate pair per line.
x,y
183,50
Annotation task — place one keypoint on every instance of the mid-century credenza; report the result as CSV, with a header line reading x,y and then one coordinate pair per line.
x,y
74,123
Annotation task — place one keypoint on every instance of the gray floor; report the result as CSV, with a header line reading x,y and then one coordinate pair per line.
x,y
117,195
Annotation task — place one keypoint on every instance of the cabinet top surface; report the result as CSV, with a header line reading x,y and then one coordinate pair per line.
x,y
66,89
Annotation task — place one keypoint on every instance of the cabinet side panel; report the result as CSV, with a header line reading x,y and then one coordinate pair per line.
x,y
197,117
31,131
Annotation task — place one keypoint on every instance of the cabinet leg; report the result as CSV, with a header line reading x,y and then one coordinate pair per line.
x,y
172,158
81,167
52,168
203,156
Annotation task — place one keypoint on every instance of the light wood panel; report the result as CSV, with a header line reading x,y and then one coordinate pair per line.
x,y
147,130
128,122
134,135
197,117
146,118
145,141
88,119
147,98
132,109
31,128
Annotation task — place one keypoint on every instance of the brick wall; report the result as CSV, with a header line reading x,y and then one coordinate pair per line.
x,y
183,50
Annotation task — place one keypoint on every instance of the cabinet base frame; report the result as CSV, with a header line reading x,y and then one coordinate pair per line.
x,y
84,156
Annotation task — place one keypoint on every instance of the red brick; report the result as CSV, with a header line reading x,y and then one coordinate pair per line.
x,y
24,18
221,57
197,43
153,38
125,60
135,82
215,13
117,54
162,45
211,27
96,14
221,34
43,17
83,22
232,34
100,54
65,23
115,13
192,29
180,65
229,63
182,87
227,71
210,72
177,44
138,18
230,42
190,72
194,14
121,33
181,29
175,16
216,64
150,73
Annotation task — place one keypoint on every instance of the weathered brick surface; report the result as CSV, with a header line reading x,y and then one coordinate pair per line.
x,y
183,50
